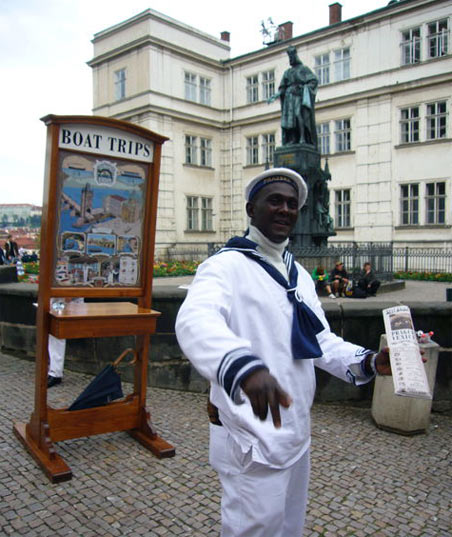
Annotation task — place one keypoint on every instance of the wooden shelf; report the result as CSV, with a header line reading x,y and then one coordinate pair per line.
x,y
102,319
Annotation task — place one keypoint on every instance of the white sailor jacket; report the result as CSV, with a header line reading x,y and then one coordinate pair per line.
x,y
237,317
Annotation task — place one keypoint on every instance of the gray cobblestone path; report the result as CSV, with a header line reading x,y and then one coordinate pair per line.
x,y
365,482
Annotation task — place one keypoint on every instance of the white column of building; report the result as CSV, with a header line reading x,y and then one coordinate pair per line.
x,y
373,219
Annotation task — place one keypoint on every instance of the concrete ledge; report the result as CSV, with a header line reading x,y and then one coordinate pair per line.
x,y
387,287
360,322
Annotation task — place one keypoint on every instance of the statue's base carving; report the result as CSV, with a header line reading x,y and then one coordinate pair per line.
x,y
303,158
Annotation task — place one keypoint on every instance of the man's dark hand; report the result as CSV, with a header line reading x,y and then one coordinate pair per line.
x,y
264,391
382,363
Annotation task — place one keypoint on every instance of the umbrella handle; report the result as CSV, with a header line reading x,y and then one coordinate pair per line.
x,y
125,353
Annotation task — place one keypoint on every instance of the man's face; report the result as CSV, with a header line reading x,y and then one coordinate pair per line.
x,y
274,211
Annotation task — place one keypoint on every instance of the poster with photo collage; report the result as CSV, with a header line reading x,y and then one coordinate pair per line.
x,y
100,221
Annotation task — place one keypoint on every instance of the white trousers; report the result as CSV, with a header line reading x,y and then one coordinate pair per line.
x,y
57,350
258,501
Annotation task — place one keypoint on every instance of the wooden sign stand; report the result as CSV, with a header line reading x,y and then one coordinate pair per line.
x,y
97,241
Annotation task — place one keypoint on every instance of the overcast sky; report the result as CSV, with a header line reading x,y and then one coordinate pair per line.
x,y
45,44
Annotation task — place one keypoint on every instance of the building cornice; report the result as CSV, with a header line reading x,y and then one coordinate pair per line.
x,y
402,7
162,18
151,41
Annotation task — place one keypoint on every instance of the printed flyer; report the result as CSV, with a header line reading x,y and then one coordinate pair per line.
x,y
408,371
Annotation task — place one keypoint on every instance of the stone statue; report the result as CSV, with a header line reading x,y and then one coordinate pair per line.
x,y
297,92
322,202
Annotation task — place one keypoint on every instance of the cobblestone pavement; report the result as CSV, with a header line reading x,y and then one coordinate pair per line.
x,y
364,481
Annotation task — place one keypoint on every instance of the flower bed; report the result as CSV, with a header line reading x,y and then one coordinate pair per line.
x,y
424,276
175,268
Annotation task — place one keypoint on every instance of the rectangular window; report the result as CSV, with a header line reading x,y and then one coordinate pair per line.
x,y
120,84
190,87
343,135
409,125
204,91
323,136
436,120
205,149
343,209
252,150
192,213
322,68
268,147
438,38
268,84
206,214
409,200
190,150
342,64
411,46
435,199
252,89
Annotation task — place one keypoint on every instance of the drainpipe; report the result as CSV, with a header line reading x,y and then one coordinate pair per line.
x,y
231,149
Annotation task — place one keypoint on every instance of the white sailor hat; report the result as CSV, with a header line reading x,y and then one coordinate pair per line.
x,y
278,175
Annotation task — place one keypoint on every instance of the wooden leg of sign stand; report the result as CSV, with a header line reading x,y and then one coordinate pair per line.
x,y
146,435
43,452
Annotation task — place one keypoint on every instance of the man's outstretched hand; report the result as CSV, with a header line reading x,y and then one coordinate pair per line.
x,y
382,363
263,392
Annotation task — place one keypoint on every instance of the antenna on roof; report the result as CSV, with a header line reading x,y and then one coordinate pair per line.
x,y
268,31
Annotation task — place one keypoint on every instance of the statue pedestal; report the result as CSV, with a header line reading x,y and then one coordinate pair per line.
x,y
314,224
302,158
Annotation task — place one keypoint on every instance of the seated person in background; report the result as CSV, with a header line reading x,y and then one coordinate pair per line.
x,y
339,279
321,282
367,281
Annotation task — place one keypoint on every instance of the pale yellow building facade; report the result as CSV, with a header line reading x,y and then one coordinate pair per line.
x,y
383,115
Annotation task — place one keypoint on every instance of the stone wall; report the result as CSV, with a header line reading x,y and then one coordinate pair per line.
x,y
357,321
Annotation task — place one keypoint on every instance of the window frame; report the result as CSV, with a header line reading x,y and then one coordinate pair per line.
x,y
252,150
324,138
342,64
205,91
409,204
120,83
268,84
268,146
435,203
343,135
322,68
436,122
205,152
342,208
438,41
191,149
252,89
206,209
190,86
410,126
192,208
410,46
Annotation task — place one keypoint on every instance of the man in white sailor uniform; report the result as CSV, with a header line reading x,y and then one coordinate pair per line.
x,y
253,326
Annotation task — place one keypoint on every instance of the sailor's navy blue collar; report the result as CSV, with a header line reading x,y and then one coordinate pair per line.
x,y
305,323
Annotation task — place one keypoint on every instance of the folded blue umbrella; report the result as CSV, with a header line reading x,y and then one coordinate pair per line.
x,y
105,387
